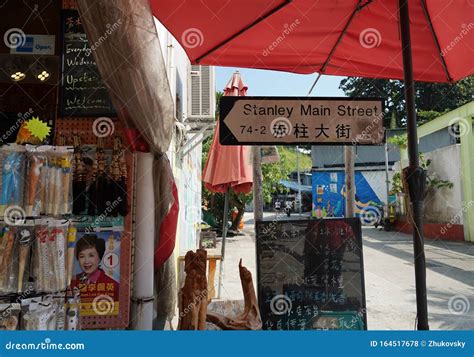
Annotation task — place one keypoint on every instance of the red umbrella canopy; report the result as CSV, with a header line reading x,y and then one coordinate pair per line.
x,y
229,166
346,38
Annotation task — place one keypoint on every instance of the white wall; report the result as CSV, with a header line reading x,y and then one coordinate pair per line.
x,y
187,169
445,204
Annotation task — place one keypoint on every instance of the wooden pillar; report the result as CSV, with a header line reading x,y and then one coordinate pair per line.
x,y
350,183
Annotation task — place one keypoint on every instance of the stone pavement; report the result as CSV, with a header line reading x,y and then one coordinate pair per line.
x,y
389,278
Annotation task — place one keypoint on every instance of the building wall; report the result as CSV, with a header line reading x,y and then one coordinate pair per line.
x,y
329,189
325,156
186,169
446,204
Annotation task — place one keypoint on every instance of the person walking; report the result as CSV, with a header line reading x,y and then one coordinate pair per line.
x,y
277,206
288,207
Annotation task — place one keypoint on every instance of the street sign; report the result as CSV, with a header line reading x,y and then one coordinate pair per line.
x,y
301,120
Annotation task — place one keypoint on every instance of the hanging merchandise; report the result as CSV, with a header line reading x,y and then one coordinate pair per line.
x,y
59,200
71,241
79,178
15,252
12,159
97,196
65,159
9,316
51,254
35,179
118,175
54,274
58,236
7,260
25,238
72,311
37,315
46,313
43,265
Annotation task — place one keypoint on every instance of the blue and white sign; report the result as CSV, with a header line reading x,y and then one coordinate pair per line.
x,y
35,45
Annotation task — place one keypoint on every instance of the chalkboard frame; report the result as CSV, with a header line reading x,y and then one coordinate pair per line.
x,y
62,111
355,223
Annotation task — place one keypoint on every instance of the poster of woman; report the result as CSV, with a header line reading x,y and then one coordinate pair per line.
x,y
97,272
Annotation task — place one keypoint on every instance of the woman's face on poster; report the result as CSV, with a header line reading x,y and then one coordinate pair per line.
x,y
89,260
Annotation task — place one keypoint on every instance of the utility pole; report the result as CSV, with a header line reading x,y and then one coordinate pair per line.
x,y
298,201
350,184
387,181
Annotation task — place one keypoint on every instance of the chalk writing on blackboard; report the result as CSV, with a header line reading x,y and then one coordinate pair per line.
x,y
83,92
310,274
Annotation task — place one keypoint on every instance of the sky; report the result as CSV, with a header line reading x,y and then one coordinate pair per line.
x,y
273,83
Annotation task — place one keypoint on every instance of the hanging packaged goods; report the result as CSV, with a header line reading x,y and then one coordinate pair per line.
x,y
78,259
35,180
62,269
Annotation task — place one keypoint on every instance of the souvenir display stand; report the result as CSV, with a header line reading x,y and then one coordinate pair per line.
x,y
63,267
84,127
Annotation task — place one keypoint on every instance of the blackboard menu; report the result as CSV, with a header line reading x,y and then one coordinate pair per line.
x,y
311,274
83,93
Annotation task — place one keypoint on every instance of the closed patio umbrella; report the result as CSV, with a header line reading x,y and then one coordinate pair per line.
x,y
425,40
228,167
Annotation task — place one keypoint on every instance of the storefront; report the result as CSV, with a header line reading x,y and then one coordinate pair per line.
x,y
68,177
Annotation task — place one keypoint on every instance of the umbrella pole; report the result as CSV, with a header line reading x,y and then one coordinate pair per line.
x,y
224,234
414,175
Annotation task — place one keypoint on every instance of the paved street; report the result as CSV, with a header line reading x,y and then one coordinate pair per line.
x,y
389,278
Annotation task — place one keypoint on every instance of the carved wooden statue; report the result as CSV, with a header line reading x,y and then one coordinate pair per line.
x,y
193,305
250,319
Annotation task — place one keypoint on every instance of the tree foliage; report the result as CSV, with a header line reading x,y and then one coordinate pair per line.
x,y
432,99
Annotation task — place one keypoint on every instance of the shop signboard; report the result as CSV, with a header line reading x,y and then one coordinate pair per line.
x,y
35,45
301,120
311,274
83,94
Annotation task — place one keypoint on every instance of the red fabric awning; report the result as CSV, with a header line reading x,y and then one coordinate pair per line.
x,y
299,36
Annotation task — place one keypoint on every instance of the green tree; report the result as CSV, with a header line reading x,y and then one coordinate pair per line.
x,y
432,99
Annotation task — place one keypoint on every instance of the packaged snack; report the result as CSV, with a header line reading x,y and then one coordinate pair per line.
x,y
25,238
7,259
43,261
57,245
36,171
60,180
38,314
